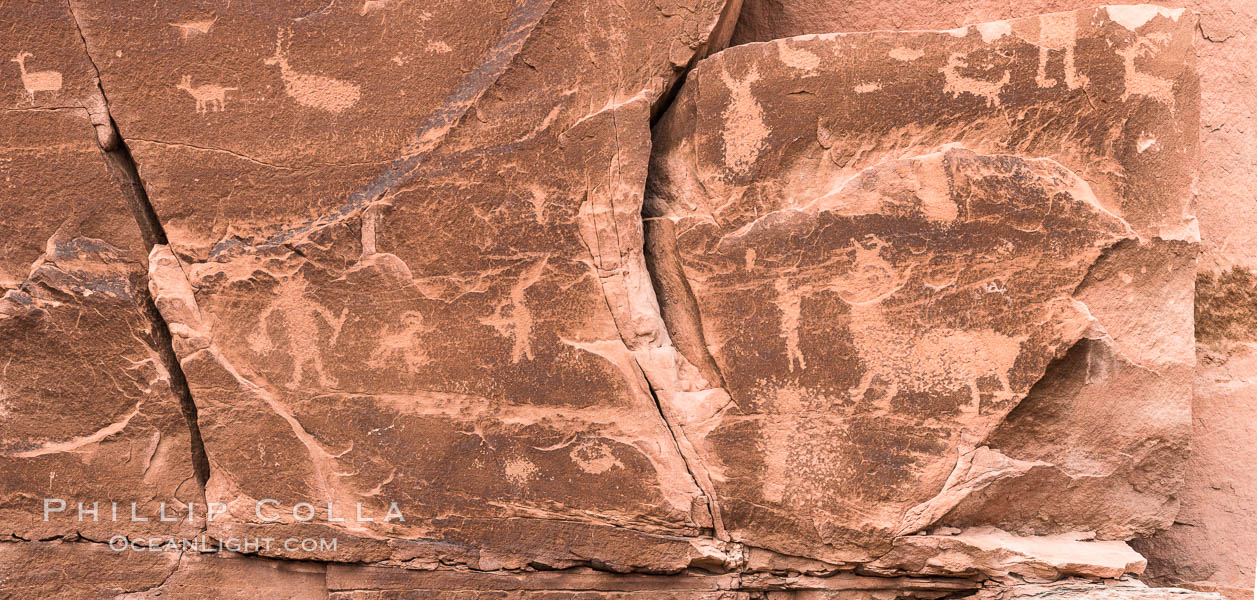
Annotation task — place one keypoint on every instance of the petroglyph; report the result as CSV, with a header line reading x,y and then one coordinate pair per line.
x,y
799,59
209,97
958,84
744,131
519,471
1139,83
399,344
994,30
938,360
1058,31
300,329
512,318
788,300
905,54
371,5
438,47
1135,16
315,91
37,81
189,29
594,458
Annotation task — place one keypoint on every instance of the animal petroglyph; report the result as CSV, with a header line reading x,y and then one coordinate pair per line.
x,y
372,5
209,97
957,84
37,81
397,344
315,91
190,28
935,361
1141,83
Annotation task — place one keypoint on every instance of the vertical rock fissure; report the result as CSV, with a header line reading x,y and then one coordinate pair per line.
x,y
687,450
705,365
677,304
123,168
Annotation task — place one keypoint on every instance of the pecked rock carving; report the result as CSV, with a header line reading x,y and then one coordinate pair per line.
x,y
919,231
209,97
37,81
917,347
544,299
315,91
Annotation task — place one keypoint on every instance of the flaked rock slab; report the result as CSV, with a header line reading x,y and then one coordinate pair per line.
x,y
79,570
997,554
1225,207
880,243
1208,544
281,115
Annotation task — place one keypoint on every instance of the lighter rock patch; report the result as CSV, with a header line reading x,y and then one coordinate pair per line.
x,y
1135,16
745,132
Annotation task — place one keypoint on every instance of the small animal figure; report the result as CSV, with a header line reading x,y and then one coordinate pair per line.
x,y
370,5
39,81
208,97
190,28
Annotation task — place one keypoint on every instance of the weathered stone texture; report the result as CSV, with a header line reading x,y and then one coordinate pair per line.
x,y
384,268
551,300
889,236
1087,590
1224,50
87,410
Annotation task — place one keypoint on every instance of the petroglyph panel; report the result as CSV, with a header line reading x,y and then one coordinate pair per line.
x,y
909,247
377,301
548,299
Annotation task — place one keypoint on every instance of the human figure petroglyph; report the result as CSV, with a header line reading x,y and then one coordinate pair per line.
x,y
1058,32
37,81
209,97
315,91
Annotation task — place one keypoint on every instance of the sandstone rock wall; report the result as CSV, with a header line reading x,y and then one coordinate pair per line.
x,y
1212,543
551,299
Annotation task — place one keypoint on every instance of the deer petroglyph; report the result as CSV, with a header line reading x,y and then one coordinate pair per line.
x,y
37,81
315,91
190,28
209,97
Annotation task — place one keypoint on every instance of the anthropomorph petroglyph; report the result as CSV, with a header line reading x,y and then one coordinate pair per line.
x,y
315,91
37,81
209,97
